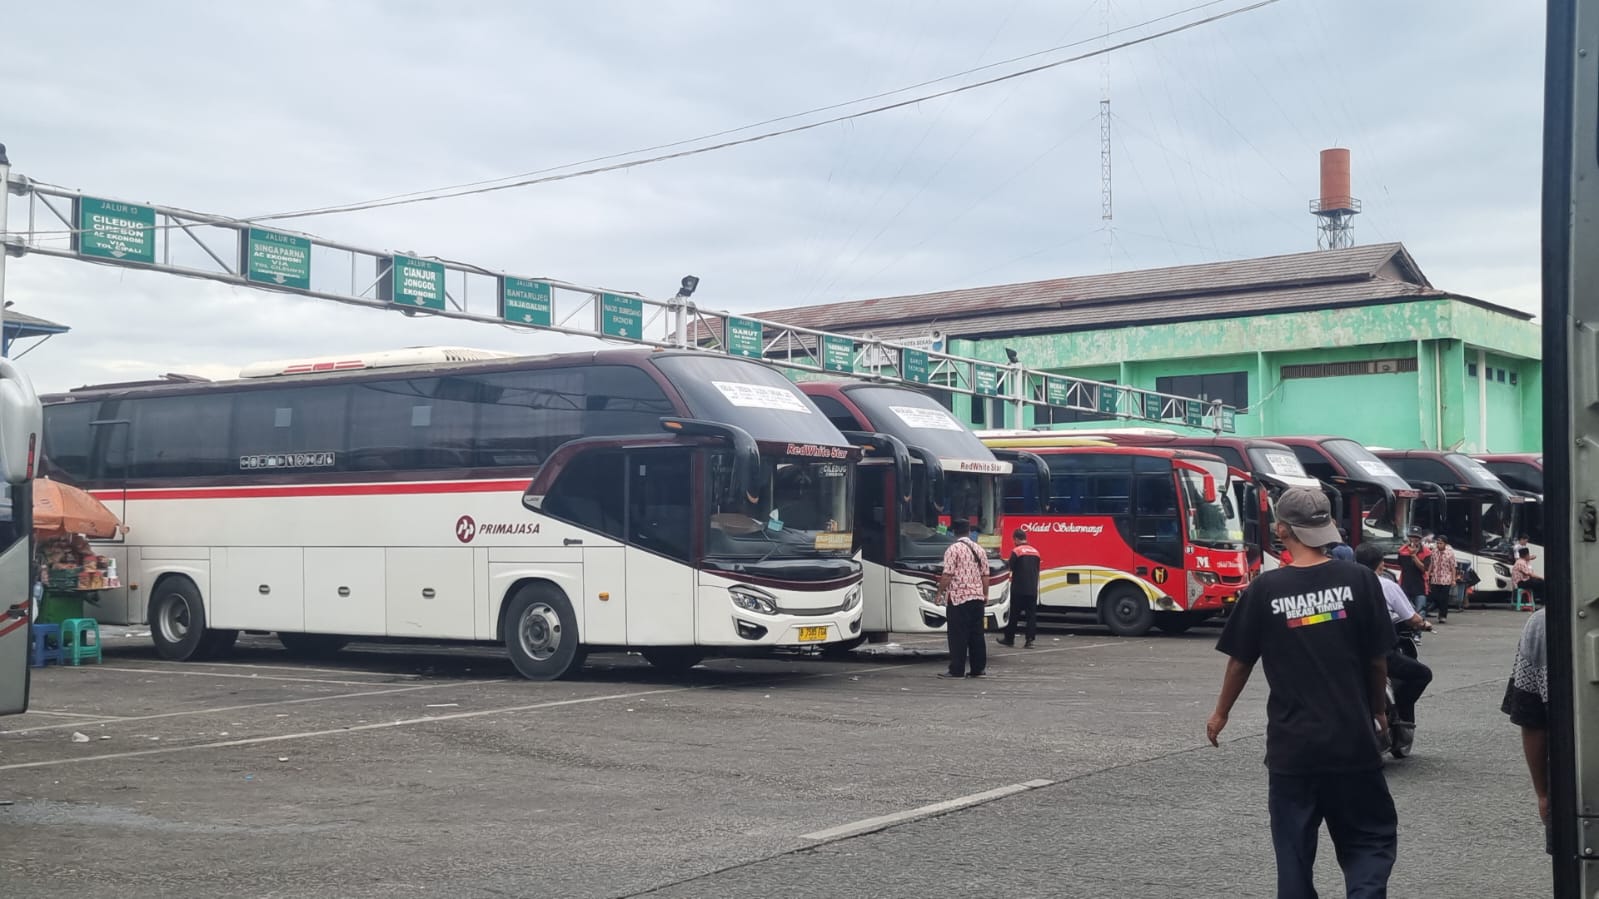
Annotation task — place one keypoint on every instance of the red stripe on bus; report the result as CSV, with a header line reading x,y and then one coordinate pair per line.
x,y
287,490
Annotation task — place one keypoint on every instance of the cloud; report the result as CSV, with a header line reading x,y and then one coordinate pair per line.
x,y
223,108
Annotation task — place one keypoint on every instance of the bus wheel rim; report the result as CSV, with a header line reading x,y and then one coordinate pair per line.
x,y
540,632
175,621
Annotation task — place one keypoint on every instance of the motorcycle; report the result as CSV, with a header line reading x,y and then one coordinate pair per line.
x,y
1402,736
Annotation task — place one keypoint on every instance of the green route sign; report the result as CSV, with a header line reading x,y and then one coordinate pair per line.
x,y
274,258
412,282
525,302
913,366
1154,405
1107,399
744,338
838,354
985,379
621,316
111,230
1196,414
1056,391
1226,418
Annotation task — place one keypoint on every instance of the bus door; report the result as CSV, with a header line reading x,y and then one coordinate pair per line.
x,y
660,581
21,421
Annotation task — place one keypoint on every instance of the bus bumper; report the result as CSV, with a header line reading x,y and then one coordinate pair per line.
x,y
1216,597
793,619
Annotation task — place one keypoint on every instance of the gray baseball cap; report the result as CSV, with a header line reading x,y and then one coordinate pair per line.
x,y
1309,514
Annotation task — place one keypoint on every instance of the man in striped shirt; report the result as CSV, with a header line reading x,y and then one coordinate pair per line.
x,y
1441,576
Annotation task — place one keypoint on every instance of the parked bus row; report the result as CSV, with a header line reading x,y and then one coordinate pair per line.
x,y
672,503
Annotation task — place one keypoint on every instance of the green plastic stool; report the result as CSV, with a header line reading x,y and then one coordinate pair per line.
x,y
80,640
1524,601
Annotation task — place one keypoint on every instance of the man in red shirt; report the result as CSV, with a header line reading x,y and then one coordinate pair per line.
x,y
1024,564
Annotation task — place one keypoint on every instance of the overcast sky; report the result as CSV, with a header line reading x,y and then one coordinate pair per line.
x,y
248,108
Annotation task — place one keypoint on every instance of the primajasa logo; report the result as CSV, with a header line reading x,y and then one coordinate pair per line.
x,y
467,529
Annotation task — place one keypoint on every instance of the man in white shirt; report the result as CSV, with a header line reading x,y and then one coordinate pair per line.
x,y
1409,676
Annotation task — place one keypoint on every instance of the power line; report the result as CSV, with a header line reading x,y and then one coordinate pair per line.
x,y
451,193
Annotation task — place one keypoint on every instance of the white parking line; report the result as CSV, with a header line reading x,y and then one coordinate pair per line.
x,y
343,731
216,710
883,822
73,715
303,680
296,668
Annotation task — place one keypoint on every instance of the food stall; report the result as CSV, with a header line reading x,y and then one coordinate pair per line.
x,y
69,570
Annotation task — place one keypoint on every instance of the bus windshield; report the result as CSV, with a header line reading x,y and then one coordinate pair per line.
x,y
804,511
748,395
925,533
1214,522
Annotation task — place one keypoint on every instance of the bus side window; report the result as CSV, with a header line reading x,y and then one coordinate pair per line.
x,y
660,501
589,493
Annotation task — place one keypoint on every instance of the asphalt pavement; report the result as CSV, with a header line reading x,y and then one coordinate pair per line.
x,y
1079,768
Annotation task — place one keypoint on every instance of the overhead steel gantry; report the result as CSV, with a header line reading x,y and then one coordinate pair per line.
x,y
70,224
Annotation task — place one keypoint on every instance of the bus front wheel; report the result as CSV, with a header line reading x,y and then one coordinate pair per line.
x,y
1126,611
541,633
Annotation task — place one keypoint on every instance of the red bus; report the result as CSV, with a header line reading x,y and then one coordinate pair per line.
x,y
1465,501
1269,468
1140,536
1523,473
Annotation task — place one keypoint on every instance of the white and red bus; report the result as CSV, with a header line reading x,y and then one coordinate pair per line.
x,y
904,506
676,503
1140,536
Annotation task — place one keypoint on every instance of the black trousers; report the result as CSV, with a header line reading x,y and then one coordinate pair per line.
x,y
1360,817
1019,606
966,642
1410,678
1439,596
1534,585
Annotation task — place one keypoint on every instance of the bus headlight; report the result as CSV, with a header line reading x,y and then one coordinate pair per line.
x,y
1004,597
1501,569
752,599
851,599
928,591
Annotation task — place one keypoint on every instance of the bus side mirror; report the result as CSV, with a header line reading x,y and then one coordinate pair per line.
x,y
21,424
746,454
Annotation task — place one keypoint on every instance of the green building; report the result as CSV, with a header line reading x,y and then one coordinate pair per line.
x,y
1355,342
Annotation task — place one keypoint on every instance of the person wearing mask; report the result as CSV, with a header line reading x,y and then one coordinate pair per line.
x,y
1320,628
1024,564
963,588
1413,571
1409,676
1442,575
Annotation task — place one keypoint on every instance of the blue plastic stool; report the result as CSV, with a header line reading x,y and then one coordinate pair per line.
x,y
80,640
46,646
1524,605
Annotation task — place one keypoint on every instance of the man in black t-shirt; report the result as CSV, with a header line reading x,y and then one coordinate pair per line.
x,y
1024,562
1320,627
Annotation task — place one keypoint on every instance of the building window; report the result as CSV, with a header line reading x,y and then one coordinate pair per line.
x,y
1471,369
1500,377
1371,367
1512,379
1231,387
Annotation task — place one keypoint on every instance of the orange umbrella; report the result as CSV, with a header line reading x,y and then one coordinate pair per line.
x,y
60,508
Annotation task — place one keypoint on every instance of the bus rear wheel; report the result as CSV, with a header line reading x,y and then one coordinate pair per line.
x,y
312,646
177,621
541,633
1126,611
672,659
